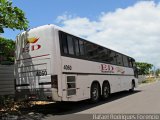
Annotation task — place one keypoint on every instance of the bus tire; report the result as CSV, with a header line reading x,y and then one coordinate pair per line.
x,y
95,92
133,86
105,91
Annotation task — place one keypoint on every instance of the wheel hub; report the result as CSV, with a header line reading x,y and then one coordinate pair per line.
x,y
106,91
95,93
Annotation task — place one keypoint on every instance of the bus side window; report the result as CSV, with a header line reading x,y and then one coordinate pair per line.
x,y
112,57
125,61
95,51
76,44
89,50
119,59
104,55
70,45
133,63
101,52
81,46
64,43
130,62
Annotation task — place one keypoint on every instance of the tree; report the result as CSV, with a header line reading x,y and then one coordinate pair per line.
x,y
11,17
7,48
144,68
157,72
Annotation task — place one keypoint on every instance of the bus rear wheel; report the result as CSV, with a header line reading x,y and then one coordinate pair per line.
x,y
95,92
105,91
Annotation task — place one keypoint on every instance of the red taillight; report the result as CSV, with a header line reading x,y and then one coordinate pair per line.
x,y
32,97
54,81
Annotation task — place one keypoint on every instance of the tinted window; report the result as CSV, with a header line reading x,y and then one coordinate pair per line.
x,y
103,54
70,45
112,57
64,43
125,61
95,52
75,46
88,48
81,47
119,59
92,51
108,56
130,62
133,63
76,42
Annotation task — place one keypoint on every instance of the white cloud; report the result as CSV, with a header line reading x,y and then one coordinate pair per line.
x,y
134,31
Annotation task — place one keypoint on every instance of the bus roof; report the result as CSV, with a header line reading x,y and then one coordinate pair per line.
x,y
61,29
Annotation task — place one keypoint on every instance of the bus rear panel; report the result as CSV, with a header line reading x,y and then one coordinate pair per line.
x,y
33,63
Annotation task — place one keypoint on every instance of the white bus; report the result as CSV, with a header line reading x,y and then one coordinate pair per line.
x,y
52,64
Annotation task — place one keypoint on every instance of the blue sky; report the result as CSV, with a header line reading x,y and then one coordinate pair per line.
x,y
128,26
41,12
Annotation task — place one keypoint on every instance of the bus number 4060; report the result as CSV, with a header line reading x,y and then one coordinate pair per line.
x,y
41,73
67,67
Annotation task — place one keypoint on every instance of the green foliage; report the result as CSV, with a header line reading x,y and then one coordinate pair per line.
x,y
149,80
157,72
11,17
144,68
7,48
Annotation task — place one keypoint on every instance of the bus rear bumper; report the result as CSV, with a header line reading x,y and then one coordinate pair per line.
x,y
35,95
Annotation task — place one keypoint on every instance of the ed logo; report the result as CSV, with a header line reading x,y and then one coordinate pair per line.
x,y
33,46
107,68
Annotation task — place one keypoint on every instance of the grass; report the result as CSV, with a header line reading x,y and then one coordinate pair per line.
x,y
150,80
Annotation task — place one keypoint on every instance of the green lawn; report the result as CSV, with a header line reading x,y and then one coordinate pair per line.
x,y
150,80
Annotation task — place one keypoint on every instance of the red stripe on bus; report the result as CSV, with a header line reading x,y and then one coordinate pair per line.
x,y
34,57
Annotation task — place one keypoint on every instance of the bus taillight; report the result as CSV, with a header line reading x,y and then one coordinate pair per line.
x,y
54,81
